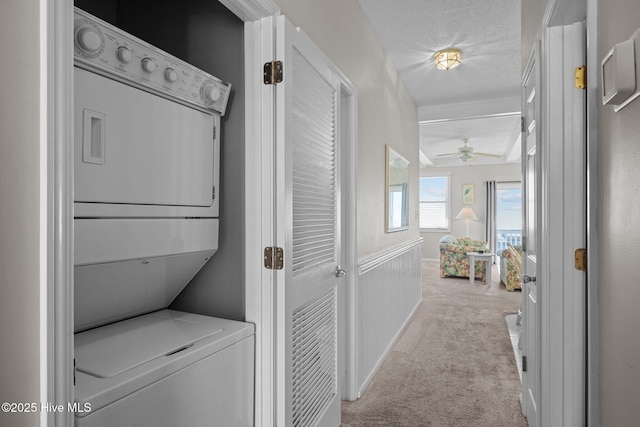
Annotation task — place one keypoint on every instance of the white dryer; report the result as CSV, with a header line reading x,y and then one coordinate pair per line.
x,y
146,169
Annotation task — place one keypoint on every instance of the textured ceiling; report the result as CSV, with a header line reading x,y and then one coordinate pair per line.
x,y
495,135
487,32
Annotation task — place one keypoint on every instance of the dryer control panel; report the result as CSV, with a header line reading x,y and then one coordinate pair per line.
x,y
102,48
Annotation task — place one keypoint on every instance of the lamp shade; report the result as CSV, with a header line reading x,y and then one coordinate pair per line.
x,y
467,213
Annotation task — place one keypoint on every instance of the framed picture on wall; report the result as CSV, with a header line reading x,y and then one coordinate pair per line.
x,y
467,194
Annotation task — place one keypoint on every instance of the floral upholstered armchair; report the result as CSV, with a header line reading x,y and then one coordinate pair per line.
x,y
509,268
454,261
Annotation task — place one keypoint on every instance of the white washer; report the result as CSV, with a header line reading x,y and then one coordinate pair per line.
x,y
165,369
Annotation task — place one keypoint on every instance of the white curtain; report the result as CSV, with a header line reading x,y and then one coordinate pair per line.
x,y
490,215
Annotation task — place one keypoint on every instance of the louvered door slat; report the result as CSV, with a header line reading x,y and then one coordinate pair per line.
x,y
307,370
315,218
313,209
315,313
306,175
314,355
307,247
313,229
313,259
306,198
302,243
311,314
314,165
316,138
314,181
315,192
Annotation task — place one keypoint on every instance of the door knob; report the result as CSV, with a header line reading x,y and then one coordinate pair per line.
x,y
526,278
340,271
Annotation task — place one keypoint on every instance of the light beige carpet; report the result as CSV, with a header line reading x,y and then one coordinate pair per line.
x,y
453,365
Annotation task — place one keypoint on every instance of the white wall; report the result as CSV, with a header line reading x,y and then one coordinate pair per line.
x,y
531,14
459,175
386,112
19,217
618,225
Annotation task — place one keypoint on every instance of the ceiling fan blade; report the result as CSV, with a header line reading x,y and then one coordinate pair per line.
x,y
447,155
496,156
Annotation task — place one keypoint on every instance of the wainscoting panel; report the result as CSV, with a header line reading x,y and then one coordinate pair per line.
x,y
389,291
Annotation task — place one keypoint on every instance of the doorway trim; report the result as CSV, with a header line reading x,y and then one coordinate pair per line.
x,y
565,12
593,306
564,163
349,152
56,119
56,291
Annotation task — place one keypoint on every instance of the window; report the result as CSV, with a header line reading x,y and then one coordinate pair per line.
x,y
508,214
434,203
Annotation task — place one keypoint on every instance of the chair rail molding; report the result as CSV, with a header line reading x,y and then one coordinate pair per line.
x,y
372,261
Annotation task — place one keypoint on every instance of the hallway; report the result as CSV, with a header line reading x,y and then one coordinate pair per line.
x,y
452,366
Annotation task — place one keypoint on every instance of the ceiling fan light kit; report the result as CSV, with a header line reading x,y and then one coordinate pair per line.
x,y
447,59
466,153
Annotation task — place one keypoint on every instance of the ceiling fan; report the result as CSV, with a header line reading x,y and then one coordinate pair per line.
x,y
466,153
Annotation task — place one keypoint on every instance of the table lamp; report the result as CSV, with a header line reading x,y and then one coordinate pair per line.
x,y
467,214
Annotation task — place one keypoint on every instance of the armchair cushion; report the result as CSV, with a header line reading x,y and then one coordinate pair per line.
x,y
454,261
509,274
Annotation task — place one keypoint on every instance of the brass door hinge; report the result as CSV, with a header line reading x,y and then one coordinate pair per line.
x,y
581,77
581,259
273,258
272,72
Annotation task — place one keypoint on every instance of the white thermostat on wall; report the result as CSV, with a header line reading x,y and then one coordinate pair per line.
x,y
620,74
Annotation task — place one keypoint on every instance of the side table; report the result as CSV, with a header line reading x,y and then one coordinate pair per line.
x,y
477,256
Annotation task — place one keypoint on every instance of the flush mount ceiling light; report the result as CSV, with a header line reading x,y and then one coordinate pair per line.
x,y
447,59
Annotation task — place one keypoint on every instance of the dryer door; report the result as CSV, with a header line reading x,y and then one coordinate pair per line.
x,y
134,147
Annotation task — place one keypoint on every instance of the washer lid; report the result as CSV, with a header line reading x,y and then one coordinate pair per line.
x,y
113,349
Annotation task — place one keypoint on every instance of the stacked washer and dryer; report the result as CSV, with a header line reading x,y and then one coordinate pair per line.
x,y
146,202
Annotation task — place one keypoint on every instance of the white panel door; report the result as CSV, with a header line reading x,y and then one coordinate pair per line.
x,y
308,224
531,241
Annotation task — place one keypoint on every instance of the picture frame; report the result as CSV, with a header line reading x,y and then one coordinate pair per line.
x,y
467,194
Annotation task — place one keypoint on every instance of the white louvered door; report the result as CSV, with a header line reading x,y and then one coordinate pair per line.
x,y
308,220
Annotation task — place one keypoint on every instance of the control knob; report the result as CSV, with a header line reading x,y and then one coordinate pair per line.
x,y
88,39
148,65
124,54
170,75
210,93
